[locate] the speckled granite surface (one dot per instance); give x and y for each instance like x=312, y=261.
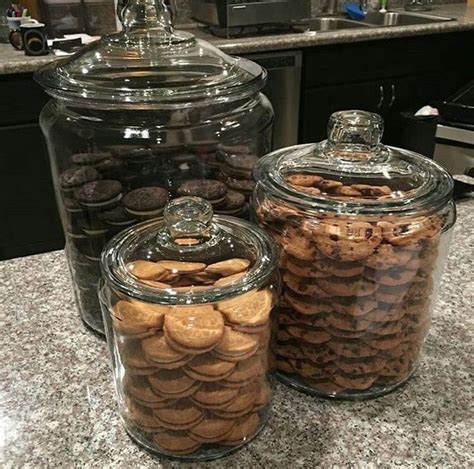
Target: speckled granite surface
x=57, y=406
x=13, y=61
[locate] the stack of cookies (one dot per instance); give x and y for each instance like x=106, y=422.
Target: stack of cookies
x=107, y=190
x=357, y=292
x=194, y=377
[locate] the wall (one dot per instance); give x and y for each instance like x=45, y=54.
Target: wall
x=184, y=15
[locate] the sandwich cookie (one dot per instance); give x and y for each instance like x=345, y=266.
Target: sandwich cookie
x=146, y=202
x=98, y=196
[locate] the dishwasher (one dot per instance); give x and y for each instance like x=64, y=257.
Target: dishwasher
x=283, y=89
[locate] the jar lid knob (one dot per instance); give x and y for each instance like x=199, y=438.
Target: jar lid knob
x=355, y=135
x=188, y=217
x=145, y=15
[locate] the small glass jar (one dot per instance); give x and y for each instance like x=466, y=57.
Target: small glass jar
x=364, y=231
x=188, y=304
x=141, y=117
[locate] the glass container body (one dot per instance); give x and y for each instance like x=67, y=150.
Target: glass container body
x=354, y=313
x=364, y=231
x=191, y=372
x=146, y=148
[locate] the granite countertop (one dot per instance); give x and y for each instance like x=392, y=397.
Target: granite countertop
x=57, y=405
x=13, y=61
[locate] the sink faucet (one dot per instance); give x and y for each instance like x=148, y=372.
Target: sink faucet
x=330, y=7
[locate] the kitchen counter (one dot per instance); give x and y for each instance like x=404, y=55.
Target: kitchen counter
x=57, y=404
x=13, y=61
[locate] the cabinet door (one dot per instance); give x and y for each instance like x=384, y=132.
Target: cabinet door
x=28, y=214
x=318, y=104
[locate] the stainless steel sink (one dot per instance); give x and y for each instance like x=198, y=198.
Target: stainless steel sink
x=398, y=18
x=374, y=19
x=330, y=23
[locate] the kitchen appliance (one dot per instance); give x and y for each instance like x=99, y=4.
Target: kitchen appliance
x=238, y=13
x=143, y=116
x=455, y=132
x=283, y=89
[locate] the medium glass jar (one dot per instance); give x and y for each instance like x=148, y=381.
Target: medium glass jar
x=188, y=304
x=364, y=231
x=139, y=118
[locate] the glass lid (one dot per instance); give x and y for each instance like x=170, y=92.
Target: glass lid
x=189, y=257
x=149, y=64
x=352, y=172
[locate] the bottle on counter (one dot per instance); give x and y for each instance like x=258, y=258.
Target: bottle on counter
x=141, y=117
x=364, y=231
x=188, y=307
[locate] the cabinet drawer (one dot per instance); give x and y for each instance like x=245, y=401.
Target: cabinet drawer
x=21, y=99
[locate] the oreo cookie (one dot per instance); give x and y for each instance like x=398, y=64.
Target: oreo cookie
x=210, y=189
x=146, y=202
x=73, y=178
x=89, y=159
x=99, y=195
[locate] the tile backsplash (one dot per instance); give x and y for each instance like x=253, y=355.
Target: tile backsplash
x=184, y=11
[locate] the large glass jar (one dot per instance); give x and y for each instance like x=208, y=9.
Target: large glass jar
x=364, y=231
x=188, y=304
x=139, y=118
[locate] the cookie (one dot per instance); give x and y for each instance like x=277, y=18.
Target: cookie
x=173, y=384
x=157, y=350
x=244, y=371
x=347, y=322
x=354, y=382
x=329, y=185
x=398, y=367
x=99, y=195
x=294, y=243
x=250, y=309
x=312, y=336
x=303, y=268
x=236, y=346
x=344, y=241
x=117, y=218
x=385, y=313
x=244, y=428
x=142, y=417
x=146, y=202
x=410, y=230
x=324, y=385
x=391, y=295
x=75, y=177
x=211, y=430
x=305, y=286
x=316, y=354
x=228, y=267
x=305, y=305
x=212, y=190
x=387, y=256
x=194, y=328
x=183, y=415
x=146, y=270
x=304, y=180
x=224, y=281
x=111, y=168
x=139, y=389
x=391, y=277
x=213, y=396
x=262, y=396
x=241, y=405
x=138, y=319
x=351, y=348
x=208, y=368
x=358, y=286
x=384, y=342
x=290, y=351
x=234, y=204
x=178, y=267
x=307, y=369
x=339, y=269
x=178, y=443
x=134, y=360
x=239, y=165
x=358, y=366
x=372, y=191
x=89, y=159
x=244, y=186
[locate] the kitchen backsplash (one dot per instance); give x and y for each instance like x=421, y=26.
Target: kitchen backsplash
x=184, y=11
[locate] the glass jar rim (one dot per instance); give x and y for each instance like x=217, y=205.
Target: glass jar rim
x=114, y=269
x=434, y=192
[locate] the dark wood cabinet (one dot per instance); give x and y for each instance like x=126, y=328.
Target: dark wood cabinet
x=29, y=218
x=387, y=77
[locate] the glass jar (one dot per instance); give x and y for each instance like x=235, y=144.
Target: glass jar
x=188, y=305
x=364, y=231
x=139, y=118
